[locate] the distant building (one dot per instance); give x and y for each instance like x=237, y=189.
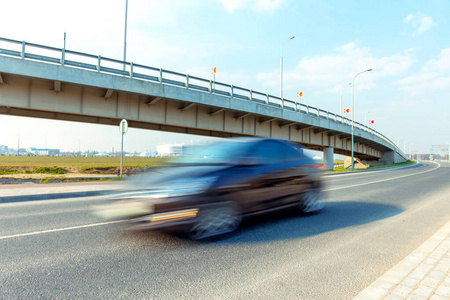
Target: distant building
x=169, y=150
x=102, y=154
x=4, y=150
x=44, y=152
x=148, y=154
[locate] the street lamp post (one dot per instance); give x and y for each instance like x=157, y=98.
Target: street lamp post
x=125, y=37
x=340, y=101
x=410, y=155
x=281, y=66
x=353, y=113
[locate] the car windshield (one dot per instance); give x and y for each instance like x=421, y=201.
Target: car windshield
x=222, y=153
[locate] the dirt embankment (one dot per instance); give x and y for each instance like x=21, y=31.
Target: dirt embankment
x=20, y=174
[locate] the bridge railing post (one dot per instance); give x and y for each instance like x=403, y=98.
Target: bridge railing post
x=99, y=63
x=187, y=81
x=231, y=93
x=267, y=98
x=160, y=75
x=131, y=70
x=251, y=95
x=23, y=49
x=63, y=57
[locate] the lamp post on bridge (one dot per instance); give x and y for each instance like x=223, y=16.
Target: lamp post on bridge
x=125, y=37
x=410, y=155
x=340, y=100
x=353, y=113
x=281, y=66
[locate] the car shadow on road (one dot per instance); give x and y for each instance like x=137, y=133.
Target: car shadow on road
x=292, y=225
x=283, y=225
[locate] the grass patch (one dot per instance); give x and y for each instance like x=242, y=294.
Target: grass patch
x=342, y=170
x=46, y=170
x=10, y=171
x=78, y=162
x=66, y=164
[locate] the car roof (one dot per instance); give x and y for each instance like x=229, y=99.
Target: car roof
x=254, y=139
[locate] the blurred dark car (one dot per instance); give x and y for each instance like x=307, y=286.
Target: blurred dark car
x=210, y=190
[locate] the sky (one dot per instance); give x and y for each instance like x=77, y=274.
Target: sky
x=406, y=43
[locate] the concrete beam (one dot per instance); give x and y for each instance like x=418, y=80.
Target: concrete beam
x=302, y=127
x=217, y=111
x=240, y=116
x=320, y=130
x=108, y=93
x=57, y=86
x=262, y=121
x=152, y=100
x=186, y=107
x=281, y=124
x=336, y=133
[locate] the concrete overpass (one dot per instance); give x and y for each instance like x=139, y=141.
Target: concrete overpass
x=54, y=83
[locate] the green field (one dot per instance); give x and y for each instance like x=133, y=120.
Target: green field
x=54, y=164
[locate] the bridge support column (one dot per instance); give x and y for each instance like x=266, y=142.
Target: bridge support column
x=388, y=157
x=328, y=158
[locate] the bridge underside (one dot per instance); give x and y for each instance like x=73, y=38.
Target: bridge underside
x=64, y=100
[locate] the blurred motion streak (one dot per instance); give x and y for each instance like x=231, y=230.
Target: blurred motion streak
x=211, y=188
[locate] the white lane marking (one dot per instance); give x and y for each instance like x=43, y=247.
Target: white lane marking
x=113, y=222
x=57, y=230
x=383, y=180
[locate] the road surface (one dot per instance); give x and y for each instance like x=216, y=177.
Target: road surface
x=57, y=249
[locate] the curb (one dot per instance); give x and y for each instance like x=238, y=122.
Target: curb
x=408, y=279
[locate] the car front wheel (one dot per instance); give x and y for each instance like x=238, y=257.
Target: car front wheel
x=216, y=220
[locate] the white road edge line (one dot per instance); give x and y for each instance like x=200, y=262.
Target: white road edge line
x=378, y=181
x=375, y=170
x=57, y=230
x=120, y=221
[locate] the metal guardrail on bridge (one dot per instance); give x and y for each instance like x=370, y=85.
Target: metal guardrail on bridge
x=70, y=58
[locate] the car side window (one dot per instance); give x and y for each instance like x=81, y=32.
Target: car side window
x=268, y=152
x=291, y=153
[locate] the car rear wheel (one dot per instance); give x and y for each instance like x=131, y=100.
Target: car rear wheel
x=311, y=200
x=212, y=221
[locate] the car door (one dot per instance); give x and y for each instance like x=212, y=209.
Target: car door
x=271, y=179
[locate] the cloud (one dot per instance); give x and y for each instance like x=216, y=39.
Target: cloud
x=256, y=5
x=420, y=22
x=336, y=70
x=434, y=77
x=442, y=62
x=423, y=84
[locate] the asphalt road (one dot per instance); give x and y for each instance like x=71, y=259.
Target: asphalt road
x=57, y=249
